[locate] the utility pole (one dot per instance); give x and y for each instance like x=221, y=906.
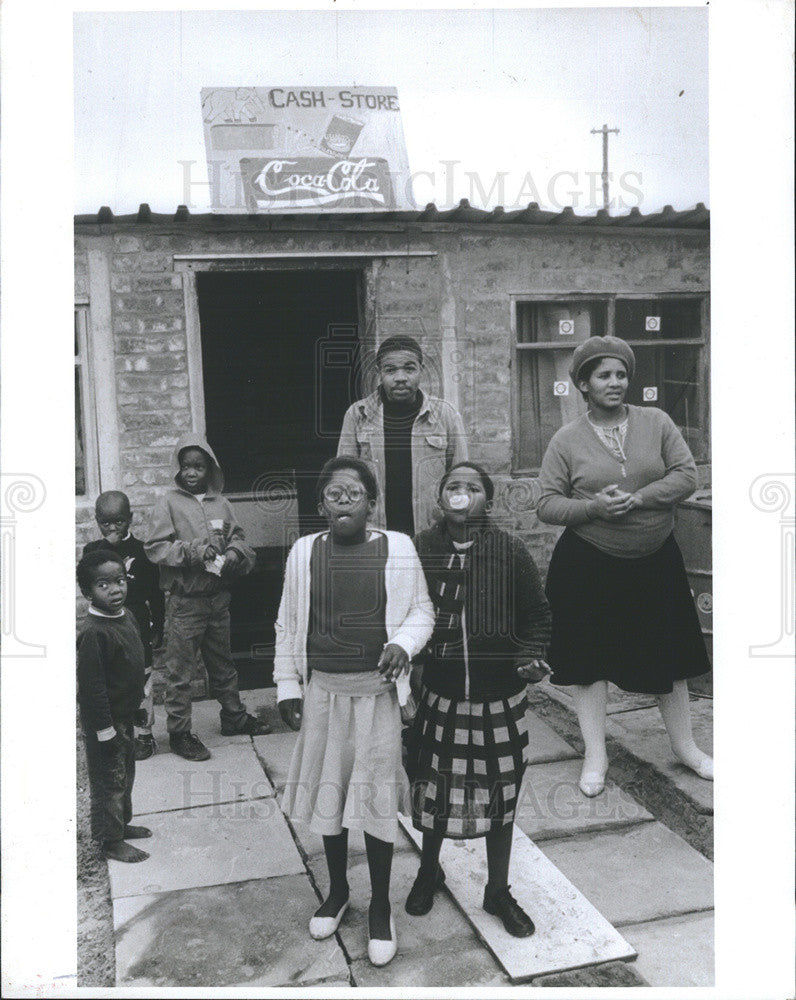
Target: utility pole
x=604, y=131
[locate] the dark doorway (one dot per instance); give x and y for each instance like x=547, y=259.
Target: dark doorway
x=280, y=358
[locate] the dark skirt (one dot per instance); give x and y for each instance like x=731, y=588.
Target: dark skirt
x=628, y=621
x=469, y=766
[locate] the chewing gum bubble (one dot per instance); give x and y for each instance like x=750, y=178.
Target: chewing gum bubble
x=459, y=501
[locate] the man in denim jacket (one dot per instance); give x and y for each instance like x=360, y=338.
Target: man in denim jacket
x=408, y=438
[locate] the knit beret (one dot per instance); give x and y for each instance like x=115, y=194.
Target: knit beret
x=602, y=347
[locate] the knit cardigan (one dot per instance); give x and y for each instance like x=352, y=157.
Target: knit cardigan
x=507, y=616
x=409, y=615
x=659, y=467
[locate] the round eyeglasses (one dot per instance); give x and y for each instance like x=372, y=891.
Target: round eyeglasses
x=334, y=494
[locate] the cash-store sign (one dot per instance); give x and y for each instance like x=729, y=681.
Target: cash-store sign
x=300, y=149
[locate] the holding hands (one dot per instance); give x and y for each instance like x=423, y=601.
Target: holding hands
x=612, y=502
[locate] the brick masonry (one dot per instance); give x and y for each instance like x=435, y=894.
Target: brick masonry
x=456, y=302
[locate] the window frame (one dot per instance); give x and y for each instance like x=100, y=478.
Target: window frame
x=88, y=407
x=609, y=300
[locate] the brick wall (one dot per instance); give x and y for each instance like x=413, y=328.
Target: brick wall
x=459, y=298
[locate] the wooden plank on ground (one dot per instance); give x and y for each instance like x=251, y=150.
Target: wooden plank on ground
x=570, y=933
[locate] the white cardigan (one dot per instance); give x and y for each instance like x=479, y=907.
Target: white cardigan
x=409, y=616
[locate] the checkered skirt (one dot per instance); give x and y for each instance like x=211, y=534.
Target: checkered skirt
x=469, y=764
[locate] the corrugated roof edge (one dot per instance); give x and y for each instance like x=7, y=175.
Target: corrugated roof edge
x=692, y=218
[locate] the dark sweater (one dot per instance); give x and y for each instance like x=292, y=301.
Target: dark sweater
x=144, y=596
x=506, y=613
x=348, y=603
x=110, y=671
x=399, y=419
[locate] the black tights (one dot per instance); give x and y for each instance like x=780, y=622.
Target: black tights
x=498, y=855
x=379, y=853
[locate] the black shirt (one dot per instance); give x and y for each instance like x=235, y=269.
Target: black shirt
x=399, y=418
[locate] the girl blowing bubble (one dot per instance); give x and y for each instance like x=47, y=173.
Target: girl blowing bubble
x=492, y=626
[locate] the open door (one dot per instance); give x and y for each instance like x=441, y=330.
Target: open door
x=280, y=358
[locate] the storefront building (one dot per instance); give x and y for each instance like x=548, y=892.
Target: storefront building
x=259, y=331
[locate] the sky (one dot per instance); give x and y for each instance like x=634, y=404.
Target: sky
x=497, y=105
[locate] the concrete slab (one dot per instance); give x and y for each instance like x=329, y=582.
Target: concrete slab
x=544, y=743
x=644, y=735
x=472, y=966
x=570, y=932
x=275, y=752
x=232, y=774
x=639, y=873
x=210, y=845
x=243, y=934
x=445, y=922
x=618, y=700
x=675, y=952
x=551, y=804
x=206, y=724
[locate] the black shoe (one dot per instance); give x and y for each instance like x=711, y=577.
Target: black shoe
x=188, y=746
x=144, y=746
x=502, y=904
x=250, y=727
x=421, y=895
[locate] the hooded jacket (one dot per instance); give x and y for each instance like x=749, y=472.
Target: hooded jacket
x=182, y=527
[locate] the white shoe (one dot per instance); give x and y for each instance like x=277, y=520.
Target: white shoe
x=382, y=952
x=704, y=769
x=324, y=927
x=592, y=783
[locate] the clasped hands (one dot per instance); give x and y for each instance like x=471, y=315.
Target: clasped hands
x=392, y=662
x=612, y=502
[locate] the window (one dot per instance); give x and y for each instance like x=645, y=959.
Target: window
x=667, y=334
x=86, y=461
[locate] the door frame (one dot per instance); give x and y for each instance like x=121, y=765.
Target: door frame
x=188, y=265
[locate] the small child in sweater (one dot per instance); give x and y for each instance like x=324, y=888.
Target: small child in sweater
x=110, y=686
x=144, y=596
x=200, y=549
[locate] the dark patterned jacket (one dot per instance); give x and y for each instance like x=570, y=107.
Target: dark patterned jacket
x=499, y=596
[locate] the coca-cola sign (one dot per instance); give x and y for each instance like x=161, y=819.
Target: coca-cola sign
x=305, y=149
x=316, y=182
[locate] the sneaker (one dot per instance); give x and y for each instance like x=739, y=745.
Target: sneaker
x=502, y=904
x=144, y=746
x=249, y=727
x=188, y=746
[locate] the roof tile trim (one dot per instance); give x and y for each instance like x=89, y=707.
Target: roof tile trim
x=692, y=218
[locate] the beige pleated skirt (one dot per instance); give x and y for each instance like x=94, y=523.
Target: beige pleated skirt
x=346, y=769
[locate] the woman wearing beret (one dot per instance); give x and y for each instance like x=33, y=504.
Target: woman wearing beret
x=622, y=607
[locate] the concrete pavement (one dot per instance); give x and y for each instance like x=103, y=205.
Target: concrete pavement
x=226, y=895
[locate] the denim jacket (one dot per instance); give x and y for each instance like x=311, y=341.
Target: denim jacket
x=438, y=442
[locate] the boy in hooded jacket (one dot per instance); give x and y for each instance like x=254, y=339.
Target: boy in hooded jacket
x=200, y=548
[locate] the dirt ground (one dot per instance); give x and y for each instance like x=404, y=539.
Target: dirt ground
x=96, y=965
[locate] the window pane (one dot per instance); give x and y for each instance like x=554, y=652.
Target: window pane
x=559, y=322
x=77, y=333
x=80, y=453
x=541, y=410
x=656, y=319
x=674, y=373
